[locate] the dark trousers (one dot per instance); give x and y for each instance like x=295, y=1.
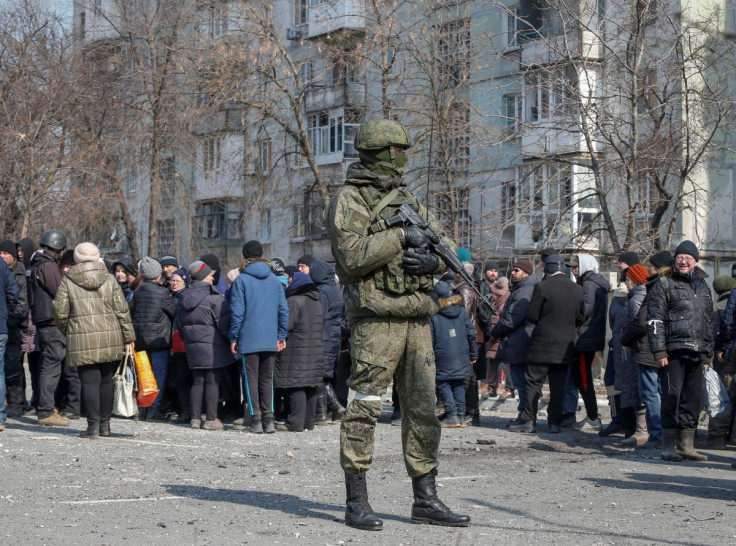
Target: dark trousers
x=68, y=396
x=582, y=376
x=452, y=394
x=34, y=368
x=518, y=375
x=472, y=403
x=259, y=382
x=183, y=381
x=14, y=360
x=97, y=390
x=53, y=351
x=682, y=386
x=207, y=383
x=535, y=375
x=302, y=402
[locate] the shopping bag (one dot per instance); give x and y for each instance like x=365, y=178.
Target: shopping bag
x=124, y=403
x=147, y=388
x=715, y=396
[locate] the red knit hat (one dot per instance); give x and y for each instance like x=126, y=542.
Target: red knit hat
x=637, y=273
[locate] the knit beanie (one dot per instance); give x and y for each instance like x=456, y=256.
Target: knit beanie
x=500, y=287
x=307, y=260
x=184, y=274
x=169, y=259
x=252, y=249
x=149, y=268
x=723, y=284
x=199, y=270
x=525, y=265
x=637, y=273
x=629, y=258
x=689, y=248
x=214, y=263
x=86, y=252
x=442, y=289
x=463, y=254
x=490, y=265
x=8, y=246
x=661, y=259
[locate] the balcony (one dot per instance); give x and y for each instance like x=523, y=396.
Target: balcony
x=555, y=45
x=547, y=138
x=326, y=17
x=334, y=96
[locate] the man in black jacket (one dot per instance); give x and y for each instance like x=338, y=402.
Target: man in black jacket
x=557, y=309
x=680, y=332
x=17, y=321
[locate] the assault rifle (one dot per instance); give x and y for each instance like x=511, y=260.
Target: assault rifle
x=407, y=216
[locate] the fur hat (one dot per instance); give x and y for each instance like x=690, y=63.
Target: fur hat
x=149, y=268
x=86, y=252
x=252, y=249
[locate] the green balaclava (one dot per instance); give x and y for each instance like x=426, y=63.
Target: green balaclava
x=385, y=161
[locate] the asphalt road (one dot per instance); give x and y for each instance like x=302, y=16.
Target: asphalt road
x=158, y=483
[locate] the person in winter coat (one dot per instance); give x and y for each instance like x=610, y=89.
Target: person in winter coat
x=17, y=321
x=514, y=330
x=455, y=351
x=260, y=318
x=497, y=372
x=627, y=375
x=333, y=311
x=300, y=366
x=557, y=309
x=90, y=310
x=471, y=302
x=8, y=305
x=125, y=272
x=203, y=318
x=178, y=365
x=680, y=332
x=613, y=362
x=152, y=310
x=592, y=334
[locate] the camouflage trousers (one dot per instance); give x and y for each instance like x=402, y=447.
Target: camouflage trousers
x=380, y=347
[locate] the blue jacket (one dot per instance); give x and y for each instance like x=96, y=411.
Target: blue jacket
x=260, y=316
x=8, y=295
x=512, y=328
x=453, y=339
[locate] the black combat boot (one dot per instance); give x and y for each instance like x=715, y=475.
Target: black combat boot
x=669, y=451
x=92, y=432
x=358, y=512
x=321, y=415
x=105, y=428
x=269, y=426
x=333, y=404
x=428, y=508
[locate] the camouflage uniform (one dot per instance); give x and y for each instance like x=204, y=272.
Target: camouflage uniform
x=388, y=310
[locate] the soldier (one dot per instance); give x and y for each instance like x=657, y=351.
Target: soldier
x=388, y=291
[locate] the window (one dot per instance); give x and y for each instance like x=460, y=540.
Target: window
x=550, y=94
x=645, y=195
x=306, y=73
x=444, y=210
x=391, y=61
x=218, y=18
x=297, y=226
x=508, y=200
x=166, y=234
x=647, y=99
x=458, y=140
x=351, y=129
x=218, y=220
x=454, y=52
x=343, y=70
x=325, y=133
x=264, y=156
x=302, y=12
x=82, y=25
x=266, y=226
x=97, y=7
x=646, y=11
x=313, y=3
x=544, y=196
x=511, y=112
x=212, y=153
x=511, y=27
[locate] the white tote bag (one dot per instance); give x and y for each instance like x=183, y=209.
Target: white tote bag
x=124, y=404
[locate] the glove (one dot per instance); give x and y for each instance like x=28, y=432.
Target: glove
x=416, y=237
x=419, y=263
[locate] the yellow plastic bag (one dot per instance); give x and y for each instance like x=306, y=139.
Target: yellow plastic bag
x=147, y=387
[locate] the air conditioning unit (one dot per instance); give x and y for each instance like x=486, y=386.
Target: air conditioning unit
x=293, y=34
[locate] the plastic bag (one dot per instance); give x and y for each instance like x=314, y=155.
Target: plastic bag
x=147, y=387
x=124, y=402
x=715, y=396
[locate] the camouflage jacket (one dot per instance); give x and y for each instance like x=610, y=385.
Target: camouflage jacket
x=369, y=265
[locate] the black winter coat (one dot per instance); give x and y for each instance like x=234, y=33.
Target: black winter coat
x=592, y=334
x=453, y=339
x=635, y=332
x=301, y=363
x=557, y=309
x=512, y=328
x=680, y=314
x=203, y=320
x=152, y=310
x=333, y=311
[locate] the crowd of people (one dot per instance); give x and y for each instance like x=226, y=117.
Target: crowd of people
x=265, y=347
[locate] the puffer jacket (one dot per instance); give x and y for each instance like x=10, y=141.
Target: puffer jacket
x=513, y=329
x=635, y=333
x=333, y=311
x=592, y=334
x=680, y=314
x=90, y=310
x=453, y=339
x=300, y=363
x=203, y=319
x=627, y=377
x=152, y=310
x=18, y=314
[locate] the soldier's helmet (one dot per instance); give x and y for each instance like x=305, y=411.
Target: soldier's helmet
x=380, y=134
x=54, y=239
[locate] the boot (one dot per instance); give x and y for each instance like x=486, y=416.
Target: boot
x=358, y=512
x=428, y=508
x=241, y=422
x=15, y=401
x=333, y=404
x=687, y=438
x=269, y=426
x=105, y=428
x=256, y=426
x=641, y=436
x=321, y=416
x=92, y=432
x=628, y=421
x=669, y=453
